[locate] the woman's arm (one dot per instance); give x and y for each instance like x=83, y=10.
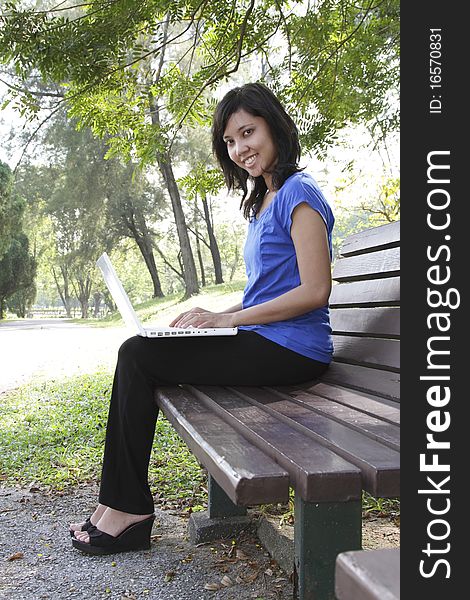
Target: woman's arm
x=310, y=240
x=180, y=320
x=313, y=259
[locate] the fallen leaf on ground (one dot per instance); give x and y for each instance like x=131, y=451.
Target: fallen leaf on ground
x=251, y=578
x=16, y=556
x=212, y=587
x=226, y=581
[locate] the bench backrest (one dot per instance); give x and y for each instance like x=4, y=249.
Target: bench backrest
x=365, y=312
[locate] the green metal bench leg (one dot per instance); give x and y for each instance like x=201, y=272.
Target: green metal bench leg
x=219, y=504
x=321, y=531
x=222, y=519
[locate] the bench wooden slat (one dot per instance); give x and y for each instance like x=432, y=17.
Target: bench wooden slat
x=376, y=381
x=368, y=575
x=367, y=424
x=317, y=473
x=378, y=264
x=374, y=322
x=387, y=410
x=364, y=351
x=379, y=464
x=377, y=292
x=246, y=474
x=372, y=239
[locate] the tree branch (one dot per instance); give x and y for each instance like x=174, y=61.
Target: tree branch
x=198, y=236
x=168, y=263
x=340, y=45
x=225, y=73
x=24, y=90
x=32, y=136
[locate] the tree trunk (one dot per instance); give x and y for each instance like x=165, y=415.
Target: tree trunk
x=97, y=297
x=83, y=295
x=143, y=241
x=84, y=307
x=64, y=294
x=198, y=245
x=146, y=250
x=234, y=264
x=214, y=248
x=164, y=163
x=189, y=267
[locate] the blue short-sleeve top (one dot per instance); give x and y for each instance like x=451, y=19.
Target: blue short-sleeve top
x=272, y=270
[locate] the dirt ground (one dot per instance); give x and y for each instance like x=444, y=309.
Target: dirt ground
x=38, y=562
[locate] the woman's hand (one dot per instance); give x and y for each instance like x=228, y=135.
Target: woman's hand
x=200, y=317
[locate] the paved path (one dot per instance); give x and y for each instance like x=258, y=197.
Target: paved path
x=54, y=348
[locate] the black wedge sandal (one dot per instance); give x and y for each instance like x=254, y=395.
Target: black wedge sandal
x=85, y=527
x=134, y=537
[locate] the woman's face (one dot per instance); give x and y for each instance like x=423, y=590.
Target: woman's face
x=250, y=144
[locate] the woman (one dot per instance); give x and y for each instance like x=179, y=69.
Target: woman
x=284, y=333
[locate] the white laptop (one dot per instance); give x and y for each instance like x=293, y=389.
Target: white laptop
x=130, y=316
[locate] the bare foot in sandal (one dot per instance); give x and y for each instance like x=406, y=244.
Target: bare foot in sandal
x=93, y=520
x=112, y=522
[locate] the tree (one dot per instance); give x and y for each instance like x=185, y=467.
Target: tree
x=21, y=301
x=387, y=207
x=17, y=271
x=75, y=208
x=332, y=61
x=230, y=237
x=136, y=72
x=199, y=184
x=11, y=209
x=130, y=204
x=17, y=266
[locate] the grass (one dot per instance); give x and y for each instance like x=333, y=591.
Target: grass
x=52, y=435
x=161, y=310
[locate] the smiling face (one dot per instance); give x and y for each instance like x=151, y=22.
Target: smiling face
x=250, y=144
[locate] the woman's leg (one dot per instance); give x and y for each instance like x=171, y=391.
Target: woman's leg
x=143, y=364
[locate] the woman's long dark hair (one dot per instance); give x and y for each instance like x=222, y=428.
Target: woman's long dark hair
x=258, y=100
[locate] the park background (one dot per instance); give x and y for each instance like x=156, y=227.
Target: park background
x=106, y=137
x=105, y=146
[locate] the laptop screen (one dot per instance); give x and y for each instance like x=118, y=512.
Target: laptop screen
x=119, y=294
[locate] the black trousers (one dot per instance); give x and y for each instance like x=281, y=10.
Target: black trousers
x=244, y=359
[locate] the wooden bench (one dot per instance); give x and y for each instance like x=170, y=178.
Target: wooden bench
x=368, y=575
x=329, y=439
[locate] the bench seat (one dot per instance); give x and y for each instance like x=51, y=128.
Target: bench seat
x=247, y=474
